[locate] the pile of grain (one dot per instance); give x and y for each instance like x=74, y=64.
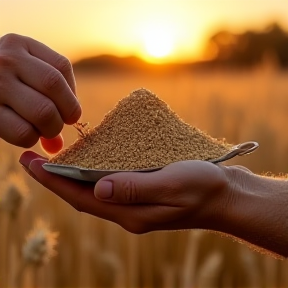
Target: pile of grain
x=140, y=132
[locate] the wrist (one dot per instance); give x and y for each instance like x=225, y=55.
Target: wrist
x=255, y=209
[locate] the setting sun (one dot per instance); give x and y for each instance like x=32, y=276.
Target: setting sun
x=158, y=41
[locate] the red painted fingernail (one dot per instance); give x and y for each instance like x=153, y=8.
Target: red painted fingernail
x=26, y=158
x=36, y=165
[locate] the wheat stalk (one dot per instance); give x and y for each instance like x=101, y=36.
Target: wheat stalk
x=40, y=244
x=13, y=192
x=37, y=250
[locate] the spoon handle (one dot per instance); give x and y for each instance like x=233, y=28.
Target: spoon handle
x=240, y=149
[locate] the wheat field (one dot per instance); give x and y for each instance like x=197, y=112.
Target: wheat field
x=239, y=106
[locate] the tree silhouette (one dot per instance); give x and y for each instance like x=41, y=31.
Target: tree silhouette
x=249, y=48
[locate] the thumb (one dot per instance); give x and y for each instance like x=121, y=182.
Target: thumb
x=136, y=187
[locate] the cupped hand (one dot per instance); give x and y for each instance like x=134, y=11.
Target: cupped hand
x=182, y=195
x=37, y=91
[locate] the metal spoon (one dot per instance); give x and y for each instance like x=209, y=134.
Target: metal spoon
x=93, y=175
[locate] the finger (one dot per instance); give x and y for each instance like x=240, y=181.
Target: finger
x=15, y=130
x=35, y=108
x=80, y=195
x=52, y=146
x=13, y=42
x=68, y=189
x=136, y=187
x=50, y=82
x=45, y=70
x=56, y=60
x=175, y=185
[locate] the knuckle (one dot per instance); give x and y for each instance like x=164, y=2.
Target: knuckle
x=63, y=64
x=24, y=135
x=52, y=79
x=130, y=191
x=10, y=39
x=45, y=112
x=7, y=61
x=172, y=186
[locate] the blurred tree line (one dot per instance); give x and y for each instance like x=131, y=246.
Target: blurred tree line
x=224, y=49
x=250, y=48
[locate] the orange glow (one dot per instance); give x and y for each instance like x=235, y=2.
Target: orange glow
x=159, y=40
x=157, y=31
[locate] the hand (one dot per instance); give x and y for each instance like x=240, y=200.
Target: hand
x=183, y=195
x=37, y=91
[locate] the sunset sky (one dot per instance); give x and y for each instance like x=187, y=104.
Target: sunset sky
x=168, y=30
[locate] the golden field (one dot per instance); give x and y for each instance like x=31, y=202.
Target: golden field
x=239, y=106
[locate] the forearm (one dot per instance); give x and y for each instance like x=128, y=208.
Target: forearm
x=257, y=210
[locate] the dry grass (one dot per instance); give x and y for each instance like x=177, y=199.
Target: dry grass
x=94, y=253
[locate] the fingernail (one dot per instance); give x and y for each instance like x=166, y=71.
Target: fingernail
x=103, y=190
x=36, y=164
x=27, y=157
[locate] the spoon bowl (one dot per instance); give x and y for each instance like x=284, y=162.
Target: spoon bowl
x=93, y=175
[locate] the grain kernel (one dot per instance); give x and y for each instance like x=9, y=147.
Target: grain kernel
x=140, y=132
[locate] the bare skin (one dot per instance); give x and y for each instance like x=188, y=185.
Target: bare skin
x=37, y=97
x=183, y=195
x=37, y=91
